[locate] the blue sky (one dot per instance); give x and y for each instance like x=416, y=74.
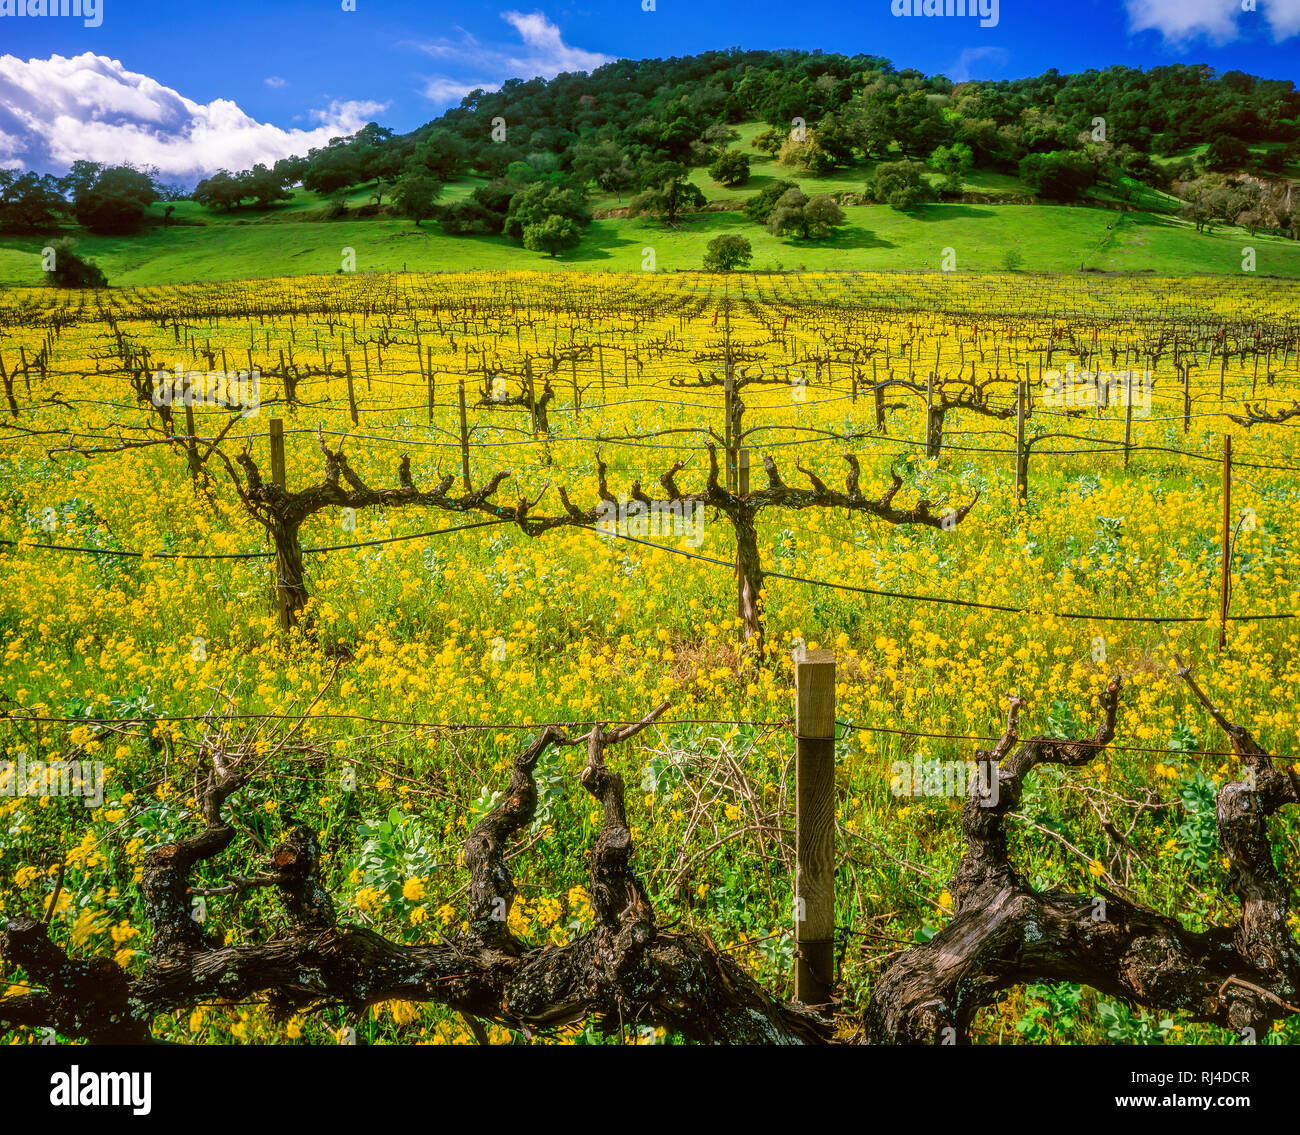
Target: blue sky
x=251, y=80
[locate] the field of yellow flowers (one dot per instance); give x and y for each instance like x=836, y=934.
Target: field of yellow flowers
x=421, y=663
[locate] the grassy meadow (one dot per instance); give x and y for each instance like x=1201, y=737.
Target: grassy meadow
x=293, y=238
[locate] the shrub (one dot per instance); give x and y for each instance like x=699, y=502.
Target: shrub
x=70, y=270
x=726, y=253
x=901, y=185
x=732, y=168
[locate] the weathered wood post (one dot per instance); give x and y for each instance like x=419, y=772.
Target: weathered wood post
x=814, y=974
x=352, y=396
x=1128, y=415
x=742, y=473
x=191, y=443
x=464, y=439
x=932, y=438
x=1225, y=578
x=277, y=446
x=1022, y=455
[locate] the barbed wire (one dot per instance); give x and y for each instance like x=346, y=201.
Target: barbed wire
x=783, y=723
x=730, y=566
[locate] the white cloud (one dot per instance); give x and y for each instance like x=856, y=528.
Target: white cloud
x=542, y=53
x=959, y=72
x=58, y=110
x=1219, y=20
x=275, y=81
x=447, y=91
x=550, y=54
x=1283, y=17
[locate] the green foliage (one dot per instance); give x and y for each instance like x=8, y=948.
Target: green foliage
x=770, y=141
x=73, y=271
x=809, y=218
x=552, y=781
x=1123, y=1026
x=395, y=849
x=1052, y=1013
x=901, y=185
x=1061, y=175
x=535, y=203
x=731, y=168
x=332, y=169
x=726, y=253
x=117, y=201
x=415, y=196
x=440, y=154
x=227, y=191
x=1226, y=153
x=955, y=159
x=552, y=235
x=604, y=162
x=759, y=207
x=808, y=155
x=289, y=241
x=28, y=203
x=1198, y=833
x=669, y=195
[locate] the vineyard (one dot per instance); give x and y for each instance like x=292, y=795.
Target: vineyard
x=374, y=554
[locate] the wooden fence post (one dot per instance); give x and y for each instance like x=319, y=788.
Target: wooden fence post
x=814, y=974
x=8, y=381
x=532, y=395
x=352, y=397
x=931, y=449
x=191, y=445
x=1128, y=415
x=1187, y=398
x=1022, y=457
x=277, y=447
x=742, y=488
x=728, y=393
x=1225, y=578
x=464, y=440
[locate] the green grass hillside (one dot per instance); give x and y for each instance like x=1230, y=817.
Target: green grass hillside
x=294, y=238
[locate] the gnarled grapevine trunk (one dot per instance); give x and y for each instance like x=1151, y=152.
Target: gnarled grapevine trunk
x=625, y=971
x=290, y=584
x=628, y=970
x=1005, y=933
